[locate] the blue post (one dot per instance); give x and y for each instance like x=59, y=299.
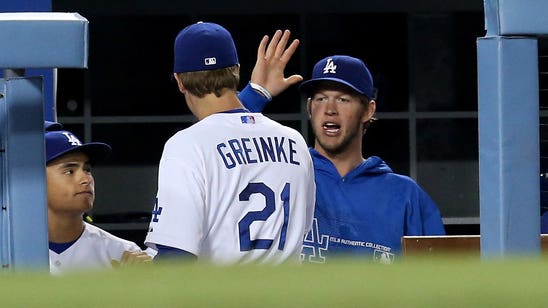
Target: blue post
x=508, y=95
x=509, y=146
x=33, y=40
x=23, y=174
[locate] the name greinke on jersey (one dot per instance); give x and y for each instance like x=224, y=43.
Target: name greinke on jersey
x=253, y=150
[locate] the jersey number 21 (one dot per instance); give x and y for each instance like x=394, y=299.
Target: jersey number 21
x=246, y=243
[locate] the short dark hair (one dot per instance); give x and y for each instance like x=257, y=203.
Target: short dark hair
x=200, y=83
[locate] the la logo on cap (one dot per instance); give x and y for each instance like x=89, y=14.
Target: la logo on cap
x=72, y=139
x=330, y=67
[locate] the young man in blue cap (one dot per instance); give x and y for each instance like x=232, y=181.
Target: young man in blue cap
x=75, y=245
x=235, y=187
x=362, y=207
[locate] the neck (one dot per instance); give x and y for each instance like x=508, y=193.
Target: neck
x=210, y=104
x=64, y=228
x=344, y=161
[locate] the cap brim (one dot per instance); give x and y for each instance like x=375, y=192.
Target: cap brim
x=51, y=126
x=307, y=86
x=96, y=151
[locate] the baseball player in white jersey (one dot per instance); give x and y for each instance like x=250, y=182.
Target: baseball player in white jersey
x=75, y=245
x=235, y=187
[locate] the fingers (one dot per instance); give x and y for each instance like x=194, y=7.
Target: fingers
x=132, y=257
x=280, y=46
x=277, y=46
x=262, y=48
x=273, y=45
x=293, y=79
x=114, y=263
x=288, y=53
x=137, y=257
x=125, y=257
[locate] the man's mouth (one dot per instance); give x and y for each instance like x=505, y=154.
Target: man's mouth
x=331, y=128
x=86, y=192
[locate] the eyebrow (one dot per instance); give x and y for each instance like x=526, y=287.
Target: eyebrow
x=71, y=164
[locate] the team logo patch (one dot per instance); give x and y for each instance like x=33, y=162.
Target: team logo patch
x=315, y=245
x=330, y=67
x=210, y=61
x=72, y=139
x=248, y=119
x=383, y=257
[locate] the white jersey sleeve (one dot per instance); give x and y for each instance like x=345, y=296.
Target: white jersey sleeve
x=234, y=187
x=94, y=249
x=179, y=183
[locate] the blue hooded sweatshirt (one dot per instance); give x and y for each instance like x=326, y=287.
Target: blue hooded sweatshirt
x=366, y=212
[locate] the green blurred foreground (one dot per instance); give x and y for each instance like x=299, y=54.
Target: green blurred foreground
x=420, y=282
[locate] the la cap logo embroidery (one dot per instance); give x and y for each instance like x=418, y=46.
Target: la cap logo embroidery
x=72, y=139
x=330, y=67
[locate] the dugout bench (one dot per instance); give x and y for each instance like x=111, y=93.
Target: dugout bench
x=449, y=244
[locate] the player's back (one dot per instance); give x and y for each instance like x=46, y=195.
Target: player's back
x=251, y=189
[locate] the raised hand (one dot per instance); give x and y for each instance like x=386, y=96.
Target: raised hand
x=271, y=61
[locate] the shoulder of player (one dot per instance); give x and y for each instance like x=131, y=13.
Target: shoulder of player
x=181, y=140
x=293, y=133
x=382, y=178
x=401, y=179
x=395, y=183
x=96, y=234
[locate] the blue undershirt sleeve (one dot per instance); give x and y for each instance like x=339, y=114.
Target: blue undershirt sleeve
x=253, y=101
x=171, y=253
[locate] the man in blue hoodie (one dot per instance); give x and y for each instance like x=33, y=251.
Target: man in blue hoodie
x=362, y=207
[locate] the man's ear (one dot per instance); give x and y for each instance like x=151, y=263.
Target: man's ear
x=179, y=83
x=308, y=107
x=371, y=108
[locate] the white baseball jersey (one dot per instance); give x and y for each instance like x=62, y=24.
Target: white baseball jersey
x=94, y=249
x=234, y=188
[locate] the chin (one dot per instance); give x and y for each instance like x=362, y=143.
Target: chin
x=330, y=145
x=86, y=208
x=87, y=205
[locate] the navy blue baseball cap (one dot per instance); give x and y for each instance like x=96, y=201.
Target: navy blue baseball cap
x=50, y=125
x=204, y=46
x=347, y=70
x=61, y=142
